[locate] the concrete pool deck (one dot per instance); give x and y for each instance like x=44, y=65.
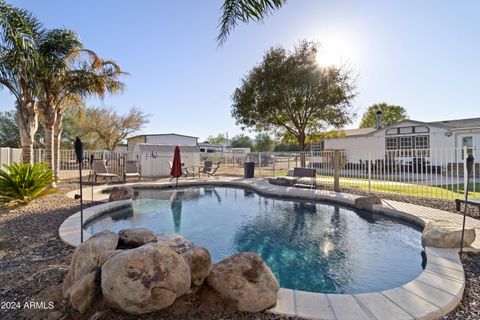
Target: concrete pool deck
x=435, y=292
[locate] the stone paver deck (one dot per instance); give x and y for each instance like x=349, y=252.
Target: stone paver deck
x=435, y=292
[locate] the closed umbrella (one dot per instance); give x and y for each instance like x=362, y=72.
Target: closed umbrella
x=176, y=171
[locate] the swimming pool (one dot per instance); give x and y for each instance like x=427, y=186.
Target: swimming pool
x=310, y=246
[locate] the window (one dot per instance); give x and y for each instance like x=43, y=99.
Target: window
x=421, y=142
x=392, y=131
x=406, y=130
x=391, y=143
x=422, y=129
x=422, y=146
x=405, y=142
x=467, y=142
x=318, y=146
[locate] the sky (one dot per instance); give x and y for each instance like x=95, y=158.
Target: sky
x=422, y=55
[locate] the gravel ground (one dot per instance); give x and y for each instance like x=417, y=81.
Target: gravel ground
x=33, y=262
x=469, y=307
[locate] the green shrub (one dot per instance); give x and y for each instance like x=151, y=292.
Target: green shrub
x=23, y=182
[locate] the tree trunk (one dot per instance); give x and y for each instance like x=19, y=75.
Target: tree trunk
x=27, y=125
x=301, y=144
x=57, y=136
x=49, y=117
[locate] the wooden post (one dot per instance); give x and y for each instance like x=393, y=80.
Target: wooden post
x=336, y=170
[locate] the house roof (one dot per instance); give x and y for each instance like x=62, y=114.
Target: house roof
x=458, y=123
x=150, y=147
x=162, y=134
x=358, y=132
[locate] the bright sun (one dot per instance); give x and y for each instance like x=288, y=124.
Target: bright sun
x=327, y=58
x=336, y=50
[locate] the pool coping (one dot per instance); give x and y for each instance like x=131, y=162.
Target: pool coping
x=435, y=292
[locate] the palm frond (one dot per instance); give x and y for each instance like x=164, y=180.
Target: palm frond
x=244, y=11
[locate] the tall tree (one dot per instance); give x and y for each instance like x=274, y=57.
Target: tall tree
x=263, y=142
x=390, y=114
x=242, y=141
x=18, y=62
x=244, y=11
x=219, y=139
x=110, y=128
x=67, y=74
x=290, y=95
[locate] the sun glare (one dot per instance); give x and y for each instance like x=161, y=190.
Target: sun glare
x=336, y=50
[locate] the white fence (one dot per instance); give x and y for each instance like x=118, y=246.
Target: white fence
x=433, y=173
x=9, y=156
x=152, y=164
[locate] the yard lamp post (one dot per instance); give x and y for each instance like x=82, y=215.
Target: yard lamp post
x=470, y=161
x=79, y=154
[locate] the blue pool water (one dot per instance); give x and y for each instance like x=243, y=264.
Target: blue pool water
x=310, y=246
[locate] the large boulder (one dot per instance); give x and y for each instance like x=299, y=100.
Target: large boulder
x=83, y=291
x=121, y=193
x=89, y=257
x=366, y=203
x=144, y=279
x=446, y=234
x=245, y=279
x=198, y=258
x=136, y=237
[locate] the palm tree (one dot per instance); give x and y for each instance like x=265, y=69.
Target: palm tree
x=67, y=74
x=244, y=11
x=19, y=30
x=88, y=76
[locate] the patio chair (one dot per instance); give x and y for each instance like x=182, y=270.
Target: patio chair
x=212, y=173
x=185, y=171
x=100, y=170
x=207, y=167
x=131, y=170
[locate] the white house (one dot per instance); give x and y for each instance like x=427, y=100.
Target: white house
x=155, y=151
x=409, y=138
x=172, y=139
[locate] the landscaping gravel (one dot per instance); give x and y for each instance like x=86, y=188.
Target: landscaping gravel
x=469, y=307
x=34, y=261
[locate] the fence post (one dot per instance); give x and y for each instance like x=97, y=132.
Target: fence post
x=465, y=175
x=369, y=172
x=273, y=159
x=336, y=170
x=259, y=164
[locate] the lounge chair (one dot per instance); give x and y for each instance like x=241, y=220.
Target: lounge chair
x=212, y=173
x=100, y=170
x=207, y=167
x=185, y=171
x=132, y=170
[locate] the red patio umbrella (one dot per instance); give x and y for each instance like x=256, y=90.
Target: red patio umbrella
x=176, y=171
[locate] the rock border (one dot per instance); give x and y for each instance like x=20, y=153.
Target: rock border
x=435, y=292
